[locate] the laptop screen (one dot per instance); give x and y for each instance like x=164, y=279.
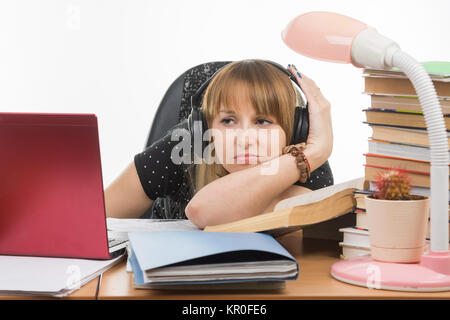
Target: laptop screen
x=51, y=189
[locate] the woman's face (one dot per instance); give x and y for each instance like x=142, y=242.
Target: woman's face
x=244, y=139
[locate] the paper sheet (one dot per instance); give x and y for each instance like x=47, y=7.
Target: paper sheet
x=48, y=276
x=139, y=225
x=119, y=228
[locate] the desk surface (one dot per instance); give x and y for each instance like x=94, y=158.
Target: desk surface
x=315, y=258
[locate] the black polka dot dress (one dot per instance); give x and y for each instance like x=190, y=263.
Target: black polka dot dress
x=164, y=179
x=319, y=178
x=158, y=174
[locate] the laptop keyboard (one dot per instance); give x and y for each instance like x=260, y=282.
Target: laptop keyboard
x=115, y=242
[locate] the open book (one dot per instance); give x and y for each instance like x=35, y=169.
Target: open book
x=299, y=211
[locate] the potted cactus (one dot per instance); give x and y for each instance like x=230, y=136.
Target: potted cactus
x=397, y=219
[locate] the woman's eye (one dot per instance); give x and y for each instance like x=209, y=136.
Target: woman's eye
x=260, y=121
x=225, y=121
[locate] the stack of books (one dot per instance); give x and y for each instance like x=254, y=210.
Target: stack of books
x=399, y=139
x=356, y=239
x=399, y=136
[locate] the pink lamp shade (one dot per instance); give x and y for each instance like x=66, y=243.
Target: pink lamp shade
x=323, y=35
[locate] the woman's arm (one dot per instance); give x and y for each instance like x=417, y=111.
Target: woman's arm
x=248, y=192
x=125, y=197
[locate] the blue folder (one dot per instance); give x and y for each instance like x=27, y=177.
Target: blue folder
x=157, y=249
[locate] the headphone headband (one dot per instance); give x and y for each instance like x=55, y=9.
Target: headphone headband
x=195, y=98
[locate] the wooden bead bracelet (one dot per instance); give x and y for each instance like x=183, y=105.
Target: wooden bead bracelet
x=296, y=150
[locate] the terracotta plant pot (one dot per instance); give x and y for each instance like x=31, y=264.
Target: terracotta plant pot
x=397, y=228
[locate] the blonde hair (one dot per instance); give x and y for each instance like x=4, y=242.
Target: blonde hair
x=267, y=88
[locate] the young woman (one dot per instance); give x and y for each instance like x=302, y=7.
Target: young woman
x=244, y=100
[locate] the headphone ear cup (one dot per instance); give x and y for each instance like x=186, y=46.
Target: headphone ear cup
x=195, y=130
x=301, y=125
x=296, y=126
x=304, y=131
x=204, y=129
x=197, y=126
x=189, y=124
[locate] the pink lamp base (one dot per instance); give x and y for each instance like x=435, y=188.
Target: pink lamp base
x=432, y=274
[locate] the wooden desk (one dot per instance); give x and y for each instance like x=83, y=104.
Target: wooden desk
x=86, y=292
x=315, y=258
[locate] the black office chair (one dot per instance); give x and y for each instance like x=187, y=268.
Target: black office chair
x=175, y=107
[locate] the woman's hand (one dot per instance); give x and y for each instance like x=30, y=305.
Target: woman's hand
x=320, y=137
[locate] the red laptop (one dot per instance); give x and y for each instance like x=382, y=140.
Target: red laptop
x=51, y=187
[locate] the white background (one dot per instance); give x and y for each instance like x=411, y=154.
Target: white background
x=116, y=58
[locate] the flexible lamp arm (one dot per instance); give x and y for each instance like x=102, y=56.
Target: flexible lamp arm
x=438, y=144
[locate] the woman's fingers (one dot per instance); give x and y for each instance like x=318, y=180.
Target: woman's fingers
x=313, y=93
x=310, y=87
x=320, y=126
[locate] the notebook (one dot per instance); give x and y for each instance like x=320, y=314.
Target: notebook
x=51, y=195
x=197, y=257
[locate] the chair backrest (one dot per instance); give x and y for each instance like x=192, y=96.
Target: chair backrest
x=175, y=106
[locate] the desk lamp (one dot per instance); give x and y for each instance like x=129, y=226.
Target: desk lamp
x=336, y=38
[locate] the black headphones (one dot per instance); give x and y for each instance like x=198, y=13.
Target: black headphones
x=197, y=124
